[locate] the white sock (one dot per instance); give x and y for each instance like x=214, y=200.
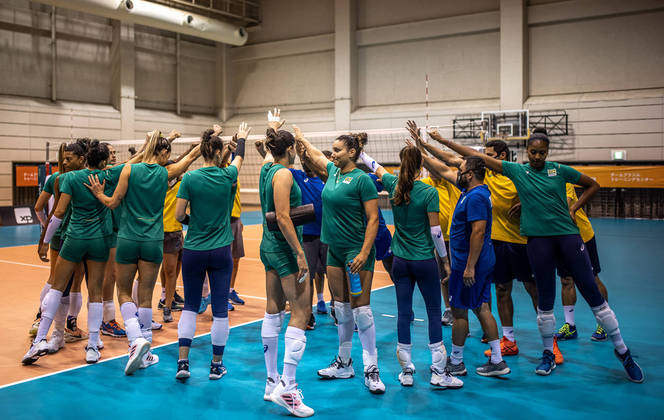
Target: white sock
x=109, y=310
x=219, y=334
x=296, y=342
x=95, y=310
x=60, y=319
x=457, y=354
x=320, y=297
x=134, y=292
x=51, y=304
x=75, y=304
x=131, y=324
x=508, y=332
x=366, y=329
x=206, y=287
x=42, y=295
x=496, y=356
x=163, y=293
x=145, y=319
x=569, y=314
x=345, y=329
x=270, y=335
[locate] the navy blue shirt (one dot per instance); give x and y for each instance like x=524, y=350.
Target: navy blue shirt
x=312, y=189
x=382, y=226
x=473, y=205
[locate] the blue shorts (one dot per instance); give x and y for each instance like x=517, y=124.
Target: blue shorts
x=463, y=297
x=383, y=244
x=591, y=249
x=511, y=263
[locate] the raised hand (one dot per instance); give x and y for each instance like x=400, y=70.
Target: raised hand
x=274, y=120
x=243, y=131
x=217, y=130
x=232, y=145
x=174, y=134
x=434, y=134
x=297, y=133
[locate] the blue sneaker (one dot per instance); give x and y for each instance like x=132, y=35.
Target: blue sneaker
x=566, y=332
x=320, y=307
x=233, y=297
x=599, y=334
x=217, y=370
x=634, y=372
x=547, y=364
x=205, y=302
x=230, y=306
x=112, y=329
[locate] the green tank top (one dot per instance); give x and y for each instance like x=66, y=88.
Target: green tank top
x=275, y=241
x=112, y=176
x=143, y=210
x=89, y=217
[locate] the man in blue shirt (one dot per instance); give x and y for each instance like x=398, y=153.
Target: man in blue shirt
x=472, y=265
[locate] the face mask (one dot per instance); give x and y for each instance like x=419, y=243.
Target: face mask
x=461, y=183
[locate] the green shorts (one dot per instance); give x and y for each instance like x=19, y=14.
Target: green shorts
x=284, y=263
x=129, y=251
x=56, y=243
x=77, y=250
x=113, y=240
x=338, y=257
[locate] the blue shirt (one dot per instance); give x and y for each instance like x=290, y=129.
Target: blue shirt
x=473, y=205
x=312, y=188
x=382, y=226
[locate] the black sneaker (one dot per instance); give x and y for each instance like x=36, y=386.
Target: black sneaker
x=177, y=298
x=175, y=307
x=493, y=369
x=217, y=370
x=456, y=370
x=168, y=316
x=311, y=325
x=183, y=369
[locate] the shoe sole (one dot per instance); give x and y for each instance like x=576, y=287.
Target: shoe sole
x=135, y=364
x=287, y=407
x=182, y=375
x=91, y=362
x=352, y=375
x=598, y=340
x=109, y=334
x=73, y=339
x=566, y=338
x=544, y=372
x=54, y=351
x=375, y=391
x=495, y=372
x=215, y=377
x=462, y=373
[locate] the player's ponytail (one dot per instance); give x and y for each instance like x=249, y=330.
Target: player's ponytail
x=411, y=164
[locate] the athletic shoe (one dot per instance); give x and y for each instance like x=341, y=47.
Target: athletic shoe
x=270, y=385
x=155, y=325
x=338, y=370
x=100, y=344
x=233, y=297
x=217, y=370
x=456, y=370
x=372, y=380
x=311, y=325
x=493, y=369
x=230, y=306
x=447, y=318
x=112, y=329
x=205, y=302
x=35, y=327
x=566, y=332
x=72, y=332
x=406, y=377
x=547, y=364
x=444, y=379
x=321, y=308
x=56, y=342
x=137, y=350
x=183, y=370
x=175, y=306
x=290, y=398
x=167, y=315
x=599, y=334
x=177, y=298
x=35, y=352
x=507, y=348
x=92, y=354
x=148, y=360
x=634, y=372
x=557, y=353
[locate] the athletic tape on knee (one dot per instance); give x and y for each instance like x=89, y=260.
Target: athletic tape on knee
x=271, y=325
x=546, y=322
x=296, y=342
x=187, y=325
x=363, y=317
x=219, y=331
x=438, y=355
x=404, y=355
x=606, y=318
x=343, y=312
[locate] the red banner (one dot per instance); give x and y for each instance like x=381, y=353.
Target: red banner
x=27, y=176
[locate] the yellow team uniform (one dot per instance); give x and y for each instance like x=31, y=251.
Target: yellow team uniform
x=445, y=213
x=503, y=197
x=582, y=221
x=453, y=194
x=170, y=223
x=237, y=205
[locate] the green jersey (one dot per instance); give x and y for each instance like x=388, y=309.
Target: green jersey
x=62, y=229
x=275, y=241
x=344, y=219
x=544, y=209
x=209, y=191
x=143, y=211
x=50, y=181
x=112, y=177
x=412, y=235
x=89, y=217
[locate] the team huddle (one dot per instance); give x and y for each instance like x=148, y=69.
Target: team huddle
x=476, y=219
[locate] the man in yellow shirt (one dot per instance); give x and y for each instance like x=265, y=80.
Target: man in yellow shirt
x=568, y=292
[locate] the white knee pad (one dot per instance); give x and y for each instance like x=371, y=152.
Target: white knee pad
x=295, y=344
x=403, y=355
x=363, y=317
x=219, y=331
x=606, y=318
x=51, y=303
x=438, y=355
x=546, y=322
x=343, y=312
x=187, y=325
x=271, y=325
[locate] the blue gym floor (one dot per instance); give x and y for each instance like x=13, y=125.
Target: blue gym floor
x=591, y=382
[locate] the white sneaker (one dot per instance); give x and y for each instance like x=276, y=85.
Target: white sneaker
x=443, y=378
x=290, y=398
x=270, y=385
x=338, y=370
x=35, y=352
x=155, y=325
x=149, y=359
x=56, y=342
x=100, y=344
x=406, y=377
x=137, y=350
x=92, y=355
x=372, y=380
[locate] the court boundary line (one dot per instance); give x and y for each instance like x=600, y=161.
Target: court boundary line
x=46, y=375
x=47, y=267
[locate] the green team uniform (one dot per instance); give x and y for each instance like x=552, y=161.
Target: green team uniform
x=544, y=209
x=276, y=253
x=141, y=232
x=50, y=182
x=112, y=177
x=208, y=190
x=89, y=227
x=59, y=235
x=412, y=235
x=345, y=223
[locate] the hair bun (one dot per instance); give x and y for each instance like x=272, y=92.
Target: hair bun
x=207, y=135
x=540, y=130
x=362, y=138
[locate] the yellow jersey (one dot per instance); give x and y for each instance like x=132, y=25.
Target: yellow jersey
x=237, y=205
x=444, y=204
x=170, y=223
x=503, y=198
x=582, y=221
x=453, y=194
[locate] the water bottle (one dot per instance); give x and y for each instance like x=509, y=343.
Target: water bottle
x=355, y=283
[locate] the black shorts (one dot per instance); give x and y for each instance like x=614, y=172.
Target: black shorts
x=511, y=263
x=237, y=246
x=316, y=253
x=173, y=242
x=591, y=249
